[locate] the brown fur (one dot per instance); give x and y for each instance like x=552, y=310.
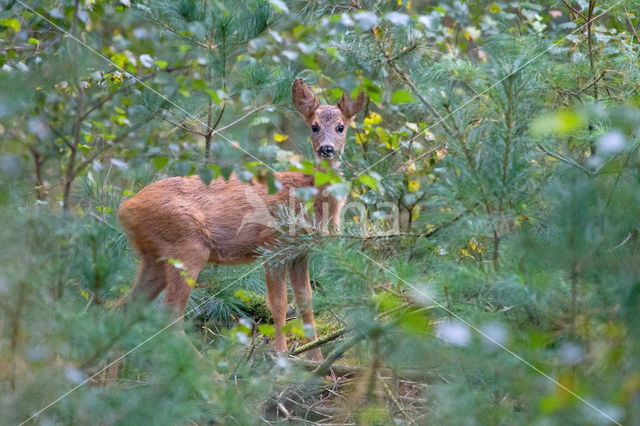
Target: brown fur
x=182, y=218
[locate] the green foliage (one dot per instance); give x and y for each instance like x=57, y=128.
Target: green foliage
x=491, y=257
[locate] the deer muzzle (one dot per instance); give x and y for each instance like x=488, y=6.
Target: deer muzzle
x=326, y=151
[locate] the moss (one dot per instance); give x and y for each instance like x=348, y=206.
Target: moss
x=325, y=324
x=255, y=306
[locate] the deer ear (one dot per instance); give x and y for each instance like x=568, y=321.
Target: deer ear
x=350, y=107
x=304, y=99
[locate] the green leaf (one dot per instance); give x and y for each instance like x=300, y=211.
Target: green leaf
x=272, y=183
x=183, y=168
x=368, y=180
x=225, y=172
x=320, y=178
x=160, y=162
x=33, y=40
x=414, y=322
x=401, y=97
x=206, y=175
x=162, y=64
x=213, y=95
x=561, y=122
x=292, y=328
x=267, y=329
x=372, y=91
x=119, y=59
x=199, y=84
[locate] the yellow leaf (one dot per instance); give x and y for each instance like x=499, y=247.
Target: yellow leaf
x=494, y=8
x=413, y=185
x=85, y=294
x=361, y=138
x=415, y=212
x=12, y=23
x=373, y=119
x=278, y=137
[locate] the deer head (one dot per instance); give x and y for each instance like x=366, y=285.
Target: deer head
x=328, y=123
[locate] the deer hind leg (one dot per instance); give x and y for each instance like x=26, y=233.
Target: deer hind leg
x=191, y=260
x=277, y=304
x=299, y=274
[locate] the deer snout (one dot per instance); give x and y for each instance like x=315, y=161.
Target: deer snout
x=326, y=151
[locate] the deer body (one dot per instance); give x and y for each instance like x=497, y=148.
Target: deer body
x=182, y=218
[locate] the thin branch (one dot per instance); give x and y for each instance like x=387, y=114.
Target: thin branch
x=233, y=123
x=345, y=370
x=592, y=61
x=59, y=134
x=574, y=10
x=106, y=147
x=177, y=34
x=593, y=82
x=394, y=400
x=404, y=167
x=566, y=160
x=103, y=221
x=183, y=126
x=633, y=28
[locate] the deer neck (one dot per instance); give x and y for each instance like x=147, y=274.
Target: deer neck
x=326, y=206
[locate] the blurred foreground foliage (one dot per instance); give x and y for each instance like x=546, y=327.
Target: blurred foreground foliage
x=499, y=142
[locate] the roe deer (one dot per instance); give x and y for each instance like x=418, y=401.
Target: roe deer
x=182, y=218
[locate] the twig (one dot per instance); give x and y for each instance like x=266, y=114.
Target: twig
x=593, y=82
x=592, y=61
x=346, y=370
x=395, y=401
x=233, y=123
x=177, y=34
x=574, y=10
x=566, y=160
x=102, y=220
x=629, y=236
x=184, y=127
x=284, y=410
x=404, y=167
x=633, y=28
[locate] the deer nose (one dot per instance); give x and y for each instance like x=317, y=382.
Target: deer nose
x=326, y=151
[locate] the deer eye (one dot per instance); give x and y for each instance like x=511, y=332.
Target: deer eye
x=315, y=128
x=340, y=128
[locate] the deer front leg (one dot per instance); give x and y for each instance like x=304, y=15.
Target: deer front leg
x=299, y=274
x=277, y=304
